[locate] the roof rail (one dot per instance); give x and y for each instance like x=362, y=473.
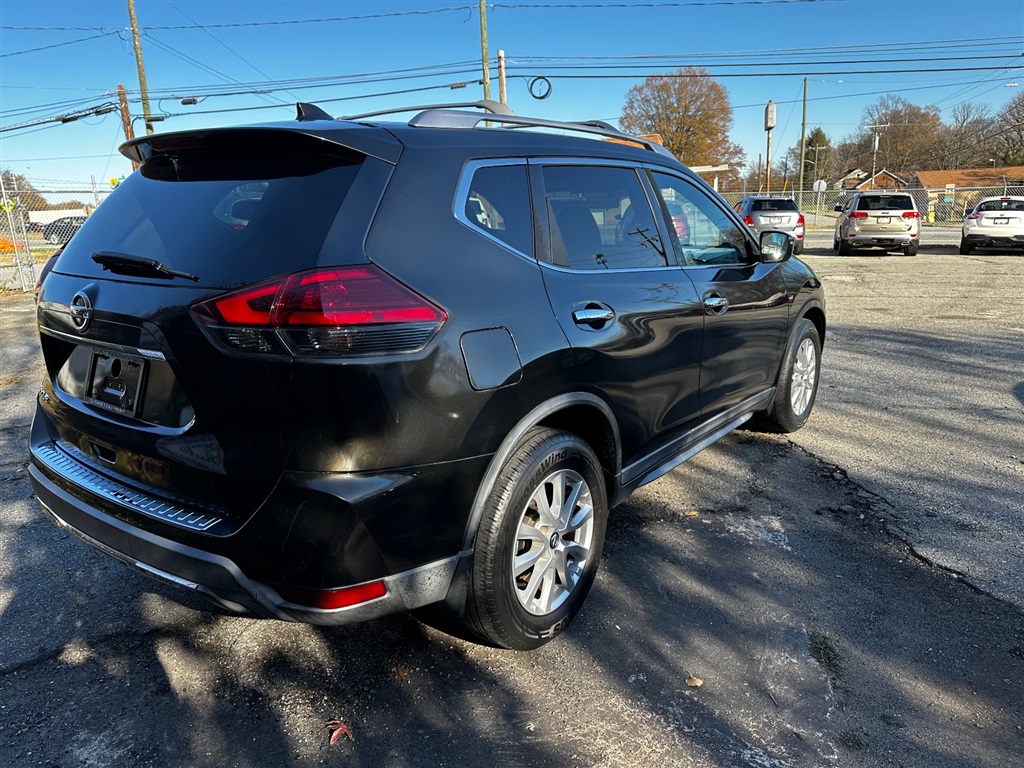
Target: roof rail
x=494, y=107
x=450, y=118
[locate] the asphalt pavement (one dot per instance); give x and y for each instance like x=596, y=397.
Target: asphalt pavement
x=849, y=595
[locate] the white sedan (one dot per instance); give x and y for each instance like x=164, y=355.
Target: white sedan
x=995, y=222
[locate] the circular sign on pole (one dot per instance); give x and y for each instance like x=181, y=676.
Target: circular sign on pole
x=819, y=185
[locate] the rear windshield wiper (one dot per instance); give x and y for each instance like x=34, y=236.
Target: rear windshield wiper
x=138, y=266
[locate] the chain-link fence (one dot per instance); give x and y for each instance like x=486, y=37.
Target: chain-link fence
x=29, y=234
x=34, y=224
x=942, y=211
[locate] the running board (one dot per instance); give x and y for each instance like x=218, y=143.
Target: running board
x=693, y=450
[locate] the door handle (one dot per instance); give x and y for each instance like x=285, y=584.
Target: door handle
x=715, y=304
x=592, y=315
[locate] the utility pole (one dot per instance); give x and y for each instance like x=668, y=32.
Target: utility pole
x=803, y=143
x=143, y=89
x=874, y=152
x=769, y=123
x=126, y=118
x=484, y=56
x=502, y=92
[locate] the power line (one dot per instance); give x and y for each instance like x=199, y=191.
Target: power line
x=59, y=45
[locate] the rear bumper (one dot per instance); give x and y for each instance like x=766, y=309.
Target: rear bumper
x=994, y=240
x=882, y=241
x=219, y=578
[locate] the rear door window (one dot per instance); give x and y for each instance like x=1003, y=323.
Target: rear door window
x=233, y=210
x=600, y=217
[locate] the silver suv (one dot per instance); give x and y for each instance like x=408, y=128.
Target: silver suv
x=878, y=219
x=773, y=214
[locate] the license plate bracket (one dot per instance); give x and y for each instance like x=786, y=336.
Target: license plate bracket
x=115, y=382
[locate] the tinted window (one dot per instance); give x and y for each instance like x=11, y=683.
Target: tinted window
x=231, y=215
x=702, y=232
x=1001, y=205
x=885, y=203
x=600, y=218
x=499, y=203
x=773, y=205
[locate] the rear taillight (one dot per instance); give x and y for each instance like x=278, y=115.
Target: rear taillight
x=858, y=215
x=800, y=220
x=911, y=215
x=339, y=311
x=748, y=220
x=973, y=216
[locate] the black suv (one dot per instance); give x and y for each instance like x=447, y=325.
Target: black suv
x=326, y=370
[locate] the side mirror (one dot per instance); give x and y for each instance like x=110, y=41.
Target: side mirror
x=775, y=247
x=838, y=208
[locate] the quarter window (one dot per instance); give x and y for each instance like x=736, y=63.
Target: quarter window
x=498, y=202
x=701, y=231
x=600, y=218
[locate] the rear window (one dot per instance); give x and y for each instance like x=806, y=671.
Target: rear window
x=773, y=205
x=885, y=203
x=231, y=208
x=1001, y=205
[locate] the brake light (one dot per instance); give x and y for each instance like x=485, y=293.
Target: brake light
x=332, y=599
x=858, y=215
x=973, y=216
x=800, y=220
x=911, y=215
x=341, y=310
x=748, y=220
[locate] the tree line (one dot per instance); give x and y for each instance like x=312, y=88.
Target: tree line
x=692, y=114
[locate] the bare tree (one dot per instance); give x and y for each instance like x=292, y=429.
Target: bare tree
x=1008, y=133
x=966, y=141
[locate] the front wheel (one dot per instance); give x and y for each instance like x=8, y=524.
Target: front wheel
x=798, y=381
x=539, y=543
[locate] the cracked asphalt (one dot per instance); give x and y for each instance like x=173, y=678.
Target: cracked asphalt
x=849, y=595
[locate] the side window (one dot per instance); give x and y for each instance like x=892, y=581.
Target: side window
x=498, y=202
x=600, y=218
x=702, y=231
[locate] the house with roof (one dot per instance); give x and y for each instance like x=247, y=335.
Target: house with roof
x=949, y=194
x=856, y=180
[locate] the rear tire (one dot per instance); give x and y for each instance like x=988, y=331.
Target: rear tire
x=965, y=249
x=798, y=381
x=844, y=248
x=911, y=250
x=539, y=543
x=798, y=248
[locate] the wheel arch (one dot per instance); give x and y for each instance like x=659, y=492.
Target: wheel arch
x=580, y=413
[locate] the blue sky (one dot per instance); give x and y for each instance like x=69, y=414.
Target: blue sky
x=574, y=43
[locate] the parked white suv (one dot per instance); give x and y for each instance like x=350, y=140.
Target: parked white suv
x=878, y=219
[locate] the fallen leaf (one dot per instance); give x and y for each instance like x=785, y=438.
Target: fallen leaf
x=693, y=513
x=339, y=728
x=401, y=672
x=694, y=682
